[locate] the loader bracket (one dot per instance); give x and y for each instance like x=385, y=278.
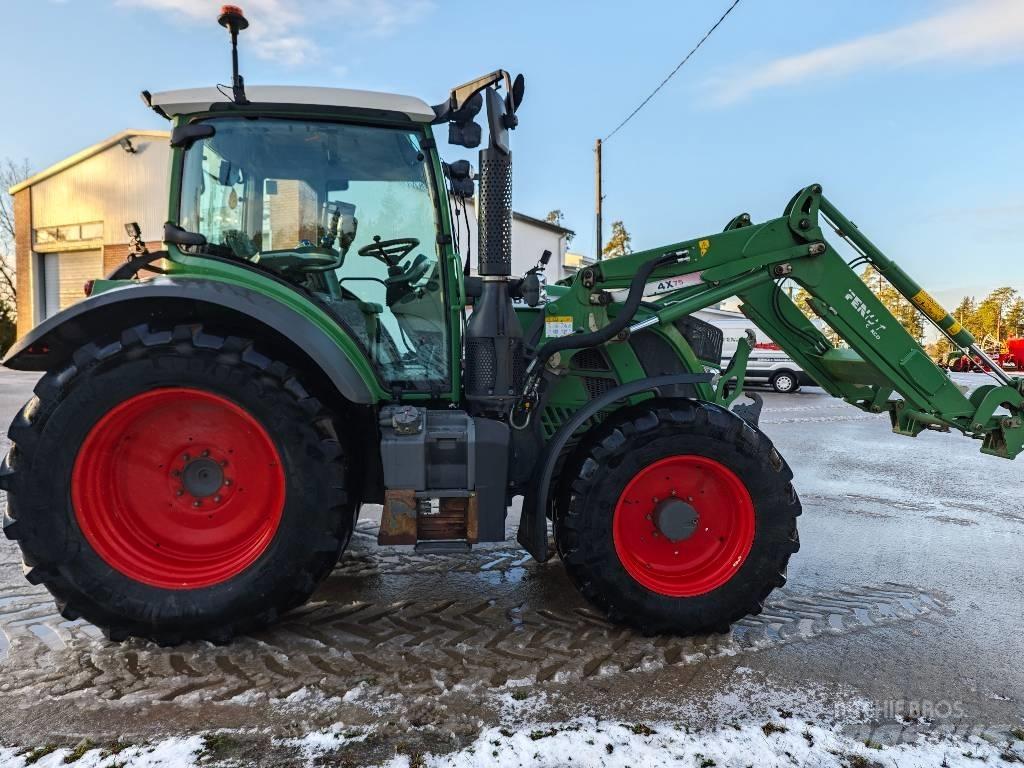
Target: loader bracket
x=750, y=412
x=730, y=384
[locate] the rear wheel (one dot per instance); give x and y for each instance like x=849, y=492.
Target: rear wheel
x=176, y=485
x=784, y=382
x=679, y=518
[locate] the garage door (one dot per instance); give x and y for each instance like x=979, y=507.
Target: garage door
x=73, y=270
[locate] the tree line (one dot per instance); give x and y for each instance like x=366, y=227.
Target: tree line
x=997, y=317
x=10, y=174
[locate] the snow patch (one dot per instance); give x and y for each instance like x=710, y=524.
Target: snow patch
x=169, y=753
x=317, y=743
x=779, y=743
x=305, y=698
x=356, y=693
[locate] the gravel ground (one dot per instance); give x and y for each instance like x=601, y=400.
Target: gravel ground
x=902, y=617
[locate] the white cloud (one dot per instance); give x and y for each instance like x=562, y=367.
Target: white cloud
x=283, y=30
x=982, y=31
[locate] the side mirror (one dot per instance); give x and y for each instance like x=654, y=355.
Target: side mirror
x=530, y=289
x=515, y=95
x=179, y=236
x=186, y=135
x=498, y=120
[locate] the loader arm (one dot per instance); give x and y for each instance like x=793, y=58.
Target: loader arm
x=884, y=368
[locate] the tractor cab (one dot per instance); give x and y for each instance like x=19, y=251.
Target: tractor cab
x=345, y=204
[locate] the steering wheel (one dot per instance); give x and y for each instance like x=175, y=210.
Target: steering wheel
x=391, y=252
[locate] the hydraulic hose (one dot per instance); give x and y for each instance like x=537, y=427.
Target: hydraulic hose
x=629, y=307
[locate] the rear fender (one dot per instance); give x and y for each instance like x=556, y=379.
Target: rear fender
x=240, y=310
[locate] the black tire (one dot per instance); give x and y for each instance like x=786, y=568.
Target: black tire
x=626, y=445
x=784, y=382
x=316, y=517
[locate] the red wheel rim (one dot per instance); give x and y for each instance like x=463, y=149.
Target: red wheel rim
x=178, y=488
x=718, y=544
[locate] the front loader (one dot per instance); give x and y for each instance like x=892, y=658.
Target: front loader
x=213, y=415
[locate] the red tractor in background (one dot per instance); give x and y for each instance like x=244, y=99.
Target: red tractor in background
x=1014, y=354
x=1008, y=355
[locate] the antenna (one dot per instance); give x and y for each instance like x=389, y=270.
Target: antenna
x=232, y=18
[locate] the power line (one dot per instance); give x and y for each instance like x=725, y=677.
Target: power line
x=673, y=72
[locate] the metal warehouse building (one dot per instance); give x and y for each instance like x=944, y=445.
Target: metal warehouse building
x=70, y=222
x=69, y=219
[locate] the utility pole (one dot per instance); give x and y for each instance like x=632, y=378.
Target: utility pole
x=599, y=197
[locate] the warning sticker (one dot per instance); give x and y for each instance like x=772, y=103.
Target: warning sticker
x=923, y=301
x=954, y=329
x=558, y=325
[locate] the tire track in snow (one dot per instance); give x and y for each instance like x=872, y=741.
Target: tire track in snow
x=405, y=645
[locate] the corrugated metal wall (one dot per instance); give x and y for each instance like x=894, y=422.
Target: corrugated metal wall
x=114, y=187
x=74, y=270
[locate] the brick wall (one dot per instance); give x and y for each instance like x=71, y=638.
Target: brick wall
x=23, y=258
x=293, y=214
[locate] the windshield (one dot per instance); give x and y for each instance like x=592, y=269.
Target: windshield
x=346, y=211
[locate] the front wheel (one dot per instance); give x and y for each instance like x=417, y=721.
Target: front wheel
x=176, y=485
x=678, y=518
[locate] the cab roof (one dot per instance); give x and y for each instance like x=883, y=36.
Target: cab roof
x=194, y=100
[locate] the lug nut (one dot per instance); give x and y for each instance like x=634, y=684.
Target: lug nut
x=186, y=457
x=180, y=492
x=227, y=481
x=217, y=499
x=197, y=503
x=205, y=454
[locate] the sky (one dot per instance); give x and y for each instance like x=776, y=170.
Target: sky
x=910, y=114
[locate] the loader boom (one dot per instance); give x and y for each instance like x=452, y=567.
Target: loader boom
x=884, y=368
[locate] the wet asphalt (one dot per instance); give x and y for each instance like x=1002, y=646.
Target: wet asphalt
x=905, y=597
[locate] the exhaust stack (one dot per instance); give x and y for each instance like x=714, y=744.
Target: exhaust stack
x=494, y=340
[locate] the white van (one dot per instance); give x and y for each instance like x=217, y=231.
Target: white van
x=768, y=362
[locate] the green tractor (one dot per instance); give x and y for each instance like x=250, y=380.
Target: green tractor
x=213, y=415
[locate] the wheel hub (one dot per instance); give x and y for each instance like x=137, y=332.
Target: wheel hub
x=683, y=525
x=675, y=519
x=178, y=488
x=202, y=477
